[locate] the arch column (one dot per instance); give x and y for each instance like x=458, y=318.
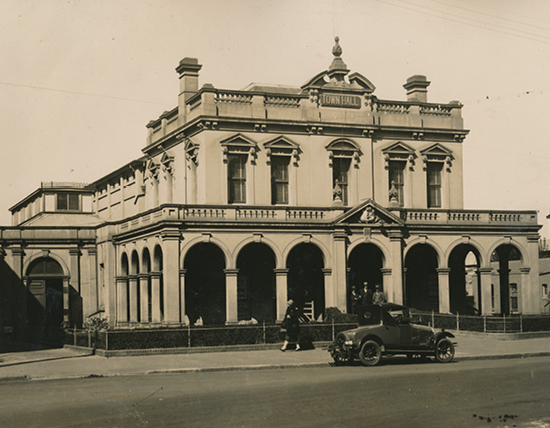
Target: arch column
x=387, y=284
x=143, y=298
x=75, y=268
x=485, y=275
x=526, y=307
x=337, y=288
x=281, y=284
x=396, y=267
x=133, y=298
x=17, y=255
x=92, y=305
x=156, y=315
x=443, y=287
x=171, y=276
x=329, y=286
x=121, y=299
x=182, y=296
x=231, y=302
x=531, y=294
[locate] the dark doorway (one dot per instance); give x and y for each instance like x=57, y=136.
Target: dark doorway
x=305, y=277
x=464, y=282
x=421, y=282
x=502, y=259
x=364, y=265
x=256, y=283
x=205, y=284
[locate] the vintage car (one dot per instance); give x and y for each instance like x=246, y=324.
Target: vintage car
x=386, y=329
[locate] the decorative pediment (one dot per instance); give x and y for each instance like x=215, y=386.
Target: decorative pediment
x=152, y=169
x=191, y=151
x=167, y=162
x=437, y=153
x=239, y=144
x=282, y=146
x=398, y=152
x=369, y=213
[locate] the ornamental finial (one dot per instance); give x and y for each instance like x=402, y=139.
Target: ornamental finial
x=337, y=50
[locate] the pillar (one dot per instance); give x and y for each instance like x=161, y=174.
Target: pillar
x=339, y=285
x=485, y=280
x=387, y=285
x=531, y=294
x=329, y=288
x=231, y=305
x=66, y=317
x=143, y=279
x=171, y=276
x=122, y=300
x=397, y=272
x=133, y=298
x=531, y=306
x=75, y=268
x=183, y=314
x=281, y=284
x=92, y=304
x=443, y=286
x=17, y=255
x=156, y=315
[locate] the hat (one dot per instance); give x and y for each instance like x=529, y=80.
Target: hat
x=377, y=286
x=290, y=302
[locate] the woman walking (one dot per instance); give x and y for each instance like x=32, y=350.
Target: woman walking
x=291, y=323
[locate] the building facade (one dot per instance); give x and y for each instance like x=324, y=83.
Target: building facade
x=245, y=198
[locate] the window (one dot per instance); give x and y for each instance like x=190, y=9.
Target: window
x=434, y=184
x=236, y=171
x=545, y=290
x=67, y=202
x=340, y=172
x=279, y=179
x=396, y=178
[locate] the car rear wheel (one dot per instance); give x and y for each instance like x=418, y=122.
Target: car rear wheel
x=370, y=353
x=444, y=351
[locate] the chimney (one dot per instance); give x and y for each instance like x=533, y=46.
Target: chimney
x=188, y=69
x=417, y=88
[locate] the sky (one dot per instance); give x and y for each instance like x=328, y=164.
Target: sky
x=80, y=80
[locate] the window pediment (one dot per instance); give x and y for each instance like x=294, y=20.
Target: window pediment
x=282, y=146
x=437, y=153
x=239, y=144
x=399, y=152
x=343, y=148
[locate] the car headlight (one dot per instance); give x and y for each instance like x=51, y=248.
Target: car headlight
x=348, y=342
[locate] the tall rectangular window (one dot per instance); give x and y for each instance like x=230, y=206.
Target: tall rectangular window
x=396, y=177
x=434, y=184
x=340, y=173
x=236, y=174
x=513, y=297
x=279, y=179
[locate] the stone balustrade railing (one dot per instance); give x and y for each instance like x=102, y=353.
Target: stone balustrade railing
x=524, y=218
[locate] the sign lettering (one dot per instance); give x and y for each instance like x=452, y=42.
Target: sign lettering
x=336, y=100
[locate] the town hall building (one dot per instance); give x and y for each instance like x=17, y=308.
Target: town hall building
x=246, y=198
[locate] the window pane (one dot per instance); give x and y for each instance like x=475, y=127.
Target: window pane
x=236, y=171
x=434, y=184
x=62, y=201
x=396, y=176
x=340, y=169
x=279, y=179
x=73, y=201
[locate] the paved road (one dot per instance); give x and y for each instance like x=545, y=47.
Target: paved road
x=484, y=393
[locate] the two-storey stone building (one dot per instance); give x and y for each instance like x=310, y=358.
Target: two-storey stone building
x=243, y=199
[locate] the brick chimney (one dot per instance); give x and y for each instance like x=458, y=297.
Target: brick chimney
x=188, y=69
x=417, y=88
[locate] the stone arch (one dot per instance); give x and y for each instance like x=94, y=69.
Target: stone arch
x=503, y=241
x=228, y=255
x=54, y=256
x=265, y=241
x=381, y=246
x=327, y=259
x=479, y=250
x=441, y=260
x=365, y=264
x=421, y=277
x=134, y=263
x=464, y=278
x=256, y=288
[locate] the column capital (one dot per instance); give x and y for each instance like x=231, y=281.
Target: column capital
x=92, y=251
x=17, y=251
x=485, y=271
x=327, y=271
x=231, y=272
x=395, y=235
x=183, y=272
x=120, y=279
x=525, y=270
x=386, y=271
x=75, y=252
x=282, y=271
x=444, y=271
x=170, y=234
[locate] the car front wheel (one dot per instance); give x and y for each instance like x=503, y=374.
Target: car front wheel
x=370, y=353
x=444, y=351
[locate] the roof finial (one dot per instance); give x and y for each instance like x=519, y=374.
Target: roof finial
x=337, y=50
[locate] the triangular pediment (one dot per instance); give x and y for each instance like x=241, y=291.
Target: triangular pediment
x=369, y=213
x=166, y=158
x=398, y=148
x=282, y=143
x=239, y=140
x=436, y=149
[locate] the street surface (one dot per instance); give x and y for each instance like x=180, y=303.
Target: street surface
x=487, y=393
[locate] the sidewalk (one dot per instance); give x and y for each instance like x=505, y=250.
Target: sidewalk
x=71, y=362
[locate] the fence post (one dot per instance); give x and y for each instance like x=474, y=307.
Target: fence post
x=106, y=340
x=189, y=335
x=89, y=339
x=74, y=334
x=504, y=323
x=484, y=323
x=433, y=319
x=333, y=329
x=521, y=323
x=264, y=333
x=457, y=321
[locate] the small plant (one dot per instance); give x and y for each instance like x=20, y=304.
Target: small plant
x=96, y=324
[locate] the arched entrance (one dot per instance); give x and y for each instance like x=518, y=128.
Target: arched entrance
x=305, y=277
x=256, y=283
x=506, y=261
x=205, y=284
x=45, y=300
x=364, y=265
x=421, y=282
x=464, y=281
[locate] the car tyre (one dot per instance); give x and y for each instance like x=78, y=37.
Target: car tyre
x=370, y=353
x=444, y=351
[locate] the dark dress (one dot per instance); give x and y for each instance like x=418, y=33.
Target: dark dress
x=292, y=324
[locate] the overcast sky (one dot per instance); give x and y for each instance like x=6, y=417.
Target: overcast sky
x=79, y=80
